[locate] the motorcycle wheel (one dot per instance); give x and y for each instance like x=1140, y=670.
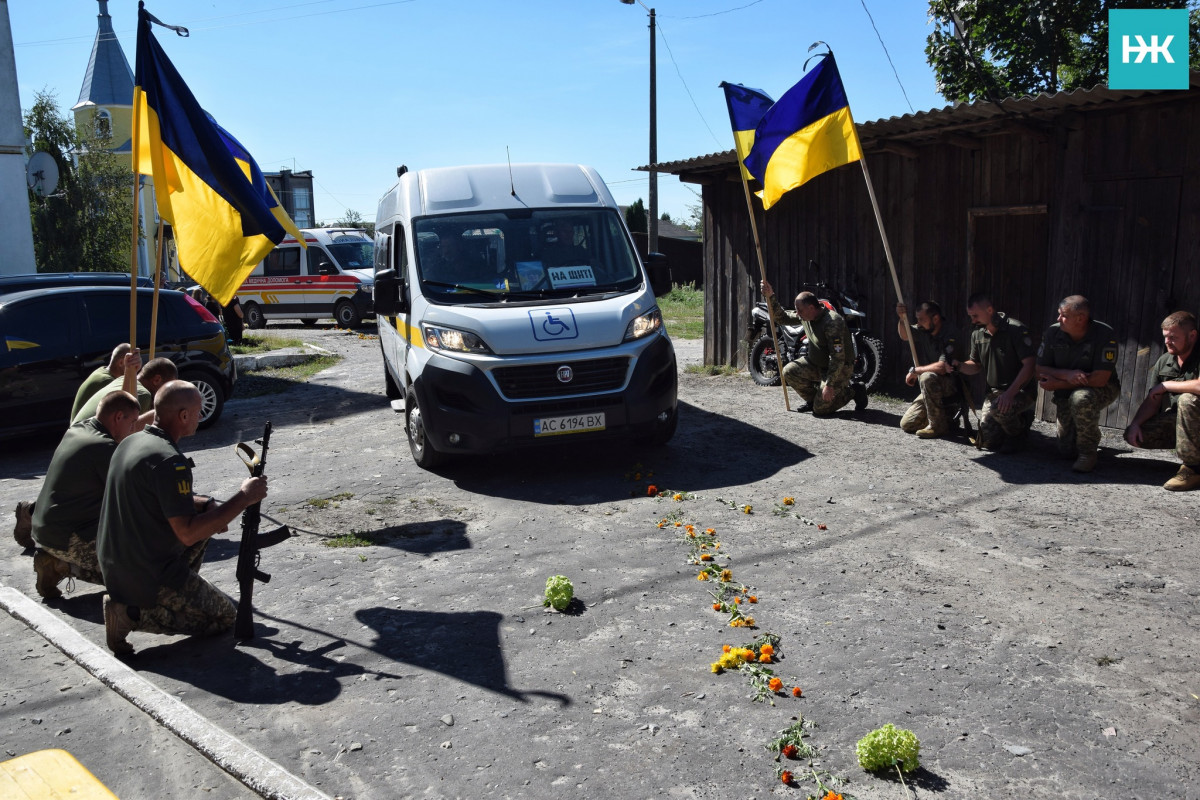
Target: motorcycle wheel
x=868, y=366
x=764, y=365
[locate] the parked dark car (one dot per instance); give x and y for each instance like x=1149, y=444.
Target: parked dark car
x=53, y=338
x=45, y=280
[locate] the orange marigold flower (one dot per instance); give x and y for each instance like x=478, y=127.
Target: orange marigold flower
x=710, y=531
x=677, y=524
x=706, y=556
x=787, y=501
x=765, y=658
x=747, y=654
x=725, y=648
x=726, y=575
x=832, y=796
x=662, y=524
x=737, y=600
x=822, y=527
x=677, y=496
x=775, y=684
x=651, y=490
x=691, y=529
x=786, y=777
x=789, y=751
x=797, y=691
x=768, y=649
x=747, y=509
x=637, y=476
x=703, y=576
x=716, y=606
x=753, y=598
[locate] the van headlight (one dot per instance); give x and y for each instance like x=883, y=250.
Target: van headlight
x=646, y=324
x=439, y=338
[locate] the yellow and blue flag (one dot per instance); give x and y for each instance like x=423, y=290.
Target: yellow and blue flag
x=223, y=222
x=746, y=109
x=253, y=174
x=807, y=132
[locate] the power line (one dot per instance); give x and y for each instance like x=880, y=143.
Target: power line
x=719, y=13
x=889, y=55
x=678, y=72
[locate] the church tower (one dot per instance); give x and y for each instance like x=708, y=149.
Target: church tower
x=106, y=99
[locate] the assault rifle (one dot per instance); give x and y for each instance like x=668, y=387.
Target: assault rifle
x=253, y=541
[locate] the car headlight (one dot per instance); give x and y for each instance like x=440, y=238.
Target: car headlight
x=438, y=338
x=646, y=324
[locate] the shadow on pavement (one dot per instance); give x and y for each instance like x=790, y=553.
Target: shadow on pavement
x=1038, y=461
x=461, y=645
x=597, y=471
x=236, y=672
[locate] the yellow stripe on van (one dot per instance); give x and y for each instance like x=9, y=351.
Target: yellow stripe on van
x=410, y=333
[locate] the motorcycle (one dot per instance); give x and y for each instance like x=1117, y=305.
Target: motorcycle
x=765, y=366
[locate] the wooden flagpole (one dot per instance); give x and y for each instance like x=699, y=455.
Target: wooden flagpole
x=157, y=286
x=887, y=249
x=130, y=382
x=762, y=269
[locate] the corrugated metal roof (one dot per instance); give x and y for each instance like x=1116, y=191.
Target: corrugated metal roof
x=109, y=80
x=980, y=118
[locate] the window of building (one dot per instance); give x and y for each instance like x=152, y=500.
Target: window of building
x=302, y=200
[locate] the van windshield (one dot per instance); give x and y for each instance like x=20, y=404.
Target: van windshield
x=524, y=255
x=353, y=253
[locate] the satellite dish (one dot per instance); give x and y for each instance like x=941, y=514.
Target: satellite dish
x=41, y=173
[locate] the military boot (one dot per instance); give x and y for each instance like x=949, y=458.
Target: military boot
x=1186, y=479
x=117, y=625
x=1085, y=463
x=23, y=530
x=50, y=572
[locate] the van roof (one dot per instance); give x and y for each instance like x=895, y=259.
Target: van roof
x=494, y=186
x=327, y=235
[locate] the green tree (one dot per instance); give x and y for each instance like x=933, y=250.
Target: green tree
x=84, y=225
x=635, y=217
x=695, y=219
x=991, y=49
x=353, y=219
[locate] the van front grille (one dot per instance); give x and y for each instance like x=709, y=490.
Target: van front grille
x=541, y=380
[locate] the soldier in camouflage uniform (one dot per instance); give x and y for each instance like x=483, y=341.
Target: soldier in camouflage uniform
x=1170, y=414
x=822, y=377
x=154, y=529
x=68, y=508
x=1077, y=361
x=1001, y=348
x=937, y=355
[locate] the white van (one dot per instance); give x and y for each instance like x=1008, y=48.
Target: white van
x=513, y=309
x=331, y=277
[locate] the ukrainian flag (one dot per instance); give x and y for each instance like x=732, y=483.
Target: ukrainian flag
x=254, y=175
x=807, y=132
x=746, y=109
x=223, y=223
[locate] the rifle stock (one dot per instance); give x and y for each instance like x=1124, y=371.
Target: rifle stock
x=253, y=541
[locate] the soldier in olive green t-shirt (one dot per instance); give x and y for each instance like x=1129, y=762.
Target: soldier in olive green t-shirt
x=1002, y=349
x=1170, y=414
x=1077, y=362
x=122, y=358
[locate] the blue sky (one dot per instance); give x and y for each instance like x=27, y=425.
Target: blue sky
x=352, y=88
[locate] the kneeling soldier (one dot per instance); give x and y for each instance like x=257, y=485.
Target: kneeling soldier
x=1170, y=414
x=938, y=354
x=1077, y=362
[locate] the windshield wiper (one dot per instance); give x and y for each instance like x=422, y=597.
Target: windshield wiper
x=471, y=289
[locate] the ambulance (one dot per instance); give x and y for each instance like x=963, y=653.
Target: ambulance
x=514, y=311
x=332, y=277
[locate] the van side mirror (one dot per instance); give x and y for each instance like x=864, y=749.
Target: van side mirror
x=660, y=274
x=388, y=296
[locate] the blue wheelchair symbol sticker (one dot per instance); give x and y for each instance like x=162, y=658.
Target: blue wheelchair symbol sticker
x=552, y=324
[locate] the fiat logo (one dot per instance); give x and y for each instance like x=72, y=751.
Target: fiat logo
x=565, y=374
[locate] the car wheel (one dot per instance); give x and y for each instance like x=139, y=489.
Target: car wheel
x=346, y=315
x=414, y=425
x=308, y=322
x=212, y=399
x=253, y=316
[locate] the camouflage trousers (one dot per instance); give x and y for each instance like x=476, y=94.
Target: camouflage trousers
x=197, y=608
x=81, y=556
x=929, y=409
x=806, y=379
x=1179, y=429
x=994, y=425
x=1079, y=417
